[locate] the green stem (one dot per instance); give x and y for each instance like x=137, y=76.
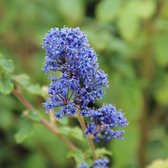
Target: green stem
x=88, y=139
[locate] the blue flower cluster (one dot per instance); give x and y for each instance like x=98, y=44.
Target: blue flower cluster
x=103, y=121
x=100, y=163
x=77, y=81
x=83, y=165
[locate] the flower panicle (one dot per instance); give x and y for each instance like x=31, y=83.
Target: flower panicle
x=77, y=81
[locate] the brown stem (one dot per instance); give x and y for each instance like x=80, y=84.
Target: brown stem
x=88, y=139
x=17, y=93
x=146, y=71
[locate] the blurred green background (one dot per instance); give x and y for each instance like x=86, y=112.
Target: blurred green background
x=131, y=40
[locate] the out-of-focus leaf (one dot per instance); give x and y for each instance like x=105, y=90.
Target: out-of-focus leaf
x=107, y=10
x=66, y=10
x=74, y=132
x=25, y=132
x=144, y=9
x=34, y=116
x=161, y=49
x=126, y=95
x=78, y=155
x=6, y=86
x=44, y=139
x=161, y=93
x=103, y=151
x=36, y=158
x=131, y=15
x=63, y=121
x=6, y=65
x=123, y=152
x=22, y=79
x=6, y=118
x=101, y=40
x=128, y=24
x=159, y=164
x=34, y=89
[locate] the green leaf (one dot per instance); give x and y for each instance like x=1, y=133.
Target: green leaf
x=145, y=9
x=64, y=121
x=159, y=164
x=107, y=10
x=128, y=24
x=34, y=89
x=131, y=15
x=74, y=132
x=6, y=86
x=161, y=49
x=6, y=65
x=25, y=132
x=37, y=158
x=103, y=151
x=161, y=93
x=34, y=116
x=65, y=9
x=123, y=152
x=22, y=79
x=78, y=155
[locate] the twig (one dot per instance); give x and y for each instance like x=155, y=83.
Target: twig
x=17, y=93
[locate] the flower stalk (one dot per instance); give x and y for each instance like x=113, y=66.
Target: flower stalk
x=88, y=139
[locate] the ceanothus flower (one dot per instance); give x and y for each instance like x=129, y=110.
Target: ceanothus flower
x=83, y=165
x=72, y=66
x=101, y=163
x=76, y=81
x=103, y=122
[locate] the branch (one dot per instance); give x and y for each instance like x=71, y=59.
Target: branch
x=18, y=94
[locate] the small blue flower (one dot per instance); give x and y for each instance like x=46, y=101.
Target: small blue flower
x=83, y=165
x=101, y=163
